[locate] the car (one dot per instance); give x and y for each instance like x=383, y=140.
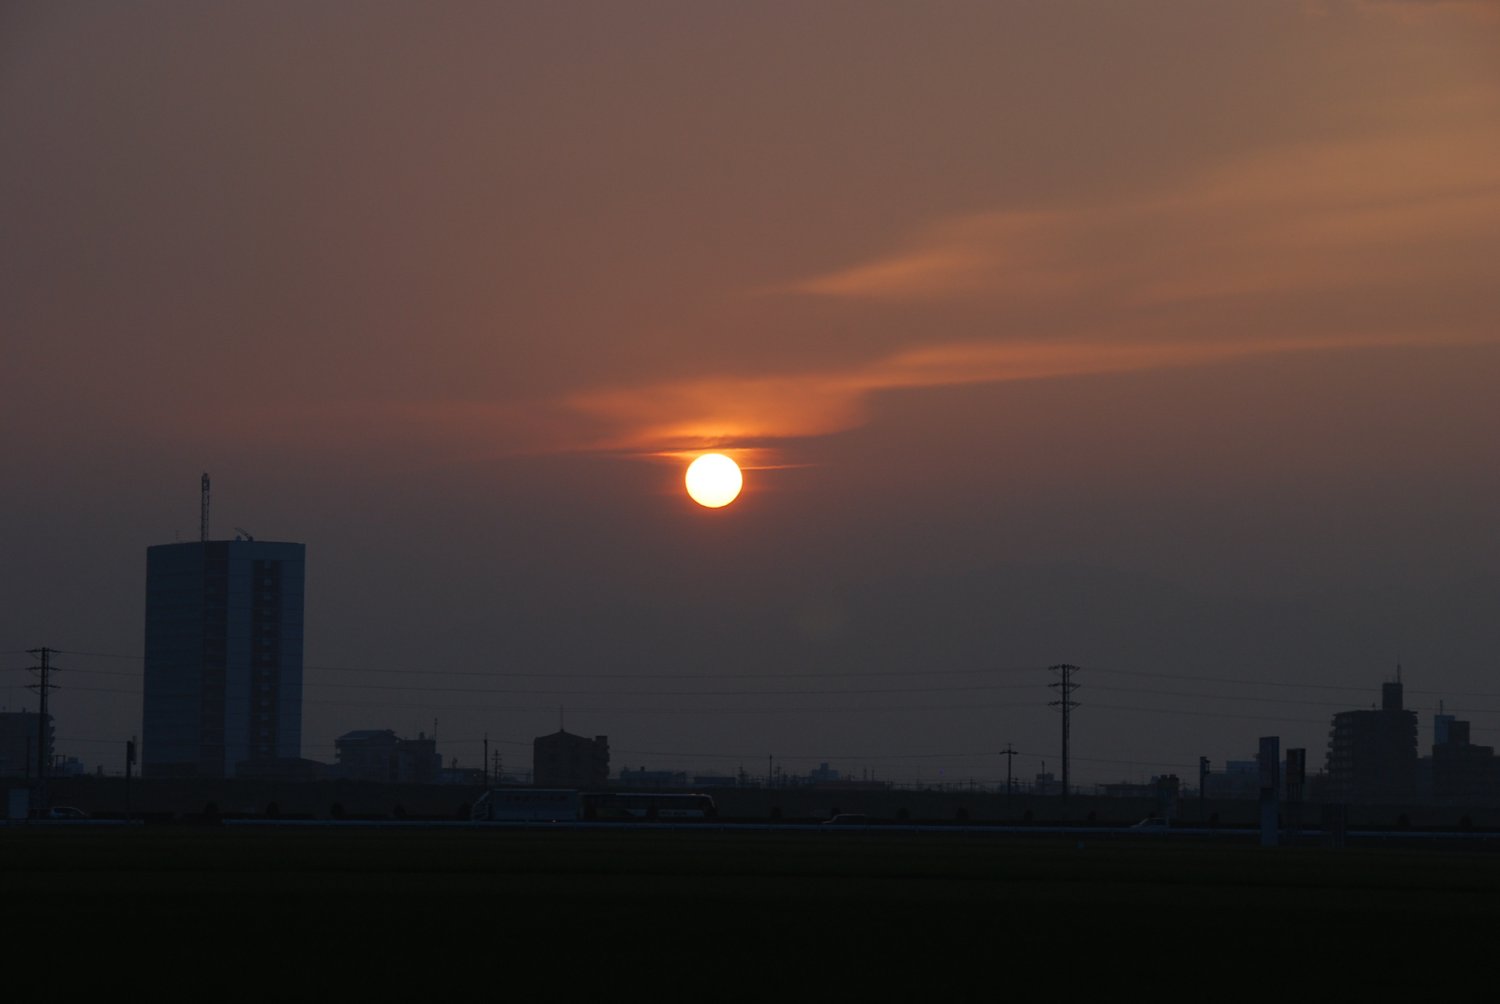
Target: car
x=65, y=812
x=848, y=819
x=1152, y=823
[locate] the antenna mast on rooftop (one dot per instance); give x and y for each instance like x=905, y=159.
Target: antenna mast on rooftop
x=203, y=511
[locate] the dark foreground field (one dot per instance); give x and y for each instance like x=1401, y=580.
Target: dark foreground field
x=865, y=911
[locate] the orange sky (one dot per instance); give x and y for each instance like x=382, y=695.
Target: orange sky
x=1177, y=299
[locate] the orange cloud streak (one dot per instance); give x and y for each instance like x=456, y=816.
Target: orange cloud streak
x=727, y=411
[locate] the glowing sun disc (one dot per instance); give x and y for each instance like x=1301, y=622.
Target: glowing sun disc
x=714, y=481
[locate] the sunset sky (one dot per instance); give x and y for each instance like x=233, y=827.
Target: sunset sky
x=1159, y=338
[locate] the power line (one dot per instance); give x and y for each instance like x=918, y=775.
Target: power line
x=505, y=673
x=428, y=688
x=848, y=703
x=925, y=672
x=823, y=709
x=1217, y=697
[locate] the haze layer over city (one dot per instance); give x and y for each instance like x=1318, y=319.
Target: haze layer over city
x=1158, y=339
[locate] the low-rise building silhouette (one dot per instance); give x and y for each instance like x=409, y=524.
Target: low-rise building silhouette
x=1238, y=779
x=563, y=760
x=640, y=777
x=381, y=755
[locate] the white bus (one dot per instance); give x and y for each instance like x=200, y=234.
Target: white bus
x=535, y=805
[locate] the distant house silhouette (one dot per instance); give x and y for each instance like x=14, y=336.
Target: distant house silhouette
x=563, y=760
x=381, y=755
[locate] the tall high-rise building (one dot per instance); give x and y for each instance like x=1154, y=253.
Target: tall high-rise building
x=223, y=657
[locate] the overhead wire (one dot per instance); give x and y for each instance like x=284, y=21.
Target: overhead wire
x=429, y=685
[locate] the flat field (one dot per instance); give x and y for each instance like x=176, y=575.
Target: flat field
x=859, y=909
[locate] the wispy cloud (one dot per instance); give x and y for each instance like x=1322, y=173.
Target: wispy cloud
x=1012, y=253
x=1333, y=215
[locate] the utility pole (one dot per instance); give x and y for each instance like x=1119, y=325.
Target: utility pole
x=42, y=687
x=1065, y=703
x=1010, y=755
x=486, y=760
x=1203, y=771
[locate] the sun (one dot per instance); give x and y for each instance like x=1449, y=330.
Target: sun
x=714, y=481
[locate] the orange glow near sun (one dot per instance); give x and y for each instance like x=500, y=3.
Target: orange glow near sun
x=714, y=481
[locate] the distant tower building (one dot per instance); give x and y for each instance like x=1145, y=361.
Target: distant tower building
x=223, y=668
x=563, y=760
x=1442, y=725
x=1461, y=770
x=1372, y=755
